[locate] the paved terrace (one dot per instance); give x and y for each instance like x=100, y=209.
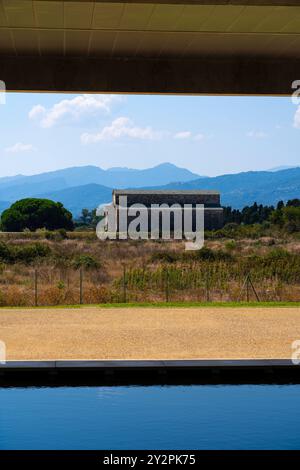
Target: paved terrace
x=149, y=333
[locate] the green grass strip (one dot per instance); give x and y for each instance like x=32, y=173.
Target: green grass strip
x=167, y=305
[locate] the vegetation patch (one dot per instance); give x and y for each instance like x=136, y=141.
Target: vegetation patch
x=23, y=254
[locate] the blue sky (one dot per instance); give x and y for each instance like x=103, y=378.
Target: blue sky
x=209, y=135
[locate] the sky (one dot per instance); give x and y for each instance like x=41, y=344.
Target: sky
x=209, y=135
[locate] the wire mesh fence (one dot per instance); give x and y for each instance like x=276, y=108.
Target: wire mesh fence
x=51, y=286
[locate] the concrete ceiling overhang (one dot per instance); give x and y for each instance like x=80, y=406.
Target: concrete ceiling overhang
x=148, y=46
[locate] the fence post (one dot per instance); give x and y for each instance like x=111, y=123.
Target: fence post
x=247, y=287
x=207, y=288
x=253, y=288
x=80, y=286
x=124, y=284
x=167, y=285
x=247, y=284
x=35, y=288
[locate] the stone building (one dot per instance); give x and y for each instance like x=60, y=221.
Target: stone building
x=213, y=212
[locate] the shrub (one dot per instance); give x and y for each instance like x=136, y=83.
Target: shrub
x=56, y=235
x=203, y=254
x=278, y=254
x=235, y=231
x=230, y=245
x=165, y=256
x=25, y=254
x=29, y=253
x=84, y=261
x=5, y=253
x=206, y=254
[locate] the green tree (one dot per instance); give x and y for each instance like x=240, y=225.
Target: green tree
x=85, y=216
x=35, y=214
x=88, y=218
x=280, y=205
x=293, y=203
x=287, y=217
x=291, y=218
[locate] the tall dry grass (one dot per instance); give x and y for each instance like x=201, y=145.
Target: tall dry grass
x=154, y=271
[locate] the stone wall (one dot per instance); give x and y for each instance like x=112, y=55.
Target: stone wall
x=213, y=212
x=208, y=198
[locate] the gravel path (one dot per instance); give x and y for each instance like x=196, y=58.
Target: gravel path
x=149, y=333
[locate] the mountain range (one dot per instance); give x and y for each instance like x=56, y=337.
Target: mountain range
x=241, y=189
x=90, y=186
x=20, y=186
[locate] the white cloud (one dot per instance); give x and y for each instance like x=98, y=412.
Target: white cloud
x=119, y=128
x=123, y=127
x=36, y=111
x=199, y=136
x=19, y=147
x=188, y=135
x=183, y=135
x=257, y=134
x=74, y=108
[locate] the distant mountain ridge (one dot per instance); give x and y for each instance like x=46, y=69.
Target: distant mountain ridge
x=76, y=188
x=80, y=176
x=95, y=182
x=283, y=167
x=241, y=189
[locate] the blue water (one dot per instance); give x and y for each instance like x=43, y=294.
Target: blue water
x=151, y=417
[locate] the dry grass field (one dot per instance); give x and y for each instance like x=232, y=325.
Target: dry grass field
x=154, y=271
x=149, y=333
